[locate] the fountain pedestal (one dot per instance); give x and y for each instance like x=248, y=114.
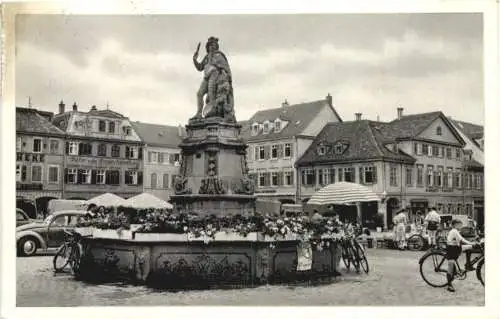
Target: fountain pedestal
x=213, y=176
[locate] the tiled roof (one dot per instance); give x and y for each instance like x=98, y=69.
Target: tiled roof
x=299, y=116
x=106, y=113
x=409, y=126
x=473, y=163
x=473, y=131
x=158, y=135
x=360, y=137
x=30, y=121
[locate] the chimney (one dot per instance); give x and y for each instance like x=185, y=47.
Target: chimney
x=284, y=104
x=400, y=113
x=358, y=116
x=61, y=107
x=93, y=108
x=75, y=107
x=329, y=99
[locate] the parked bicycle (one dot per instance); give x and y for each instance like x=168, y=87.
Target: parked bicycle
x=69, y=253
x=434, y=266
x=353, y=253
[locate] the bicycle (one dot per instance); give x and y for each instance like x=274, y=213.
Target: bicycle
x=69, y=253
x=417, y=242
x=436, y=261
x=354, y=253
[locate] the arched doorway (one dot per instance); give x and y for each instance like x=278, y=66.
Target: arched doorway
x=392, y=206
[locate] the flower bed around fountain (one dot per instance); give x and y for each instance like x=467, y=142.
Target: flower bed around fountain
x=182, y=250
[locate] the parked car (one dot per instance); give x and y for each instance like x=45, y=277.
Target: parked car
x=48, y=233
x=22, y=218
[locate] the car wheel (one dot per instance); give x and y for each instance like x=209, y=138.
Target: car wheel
x=27, y=246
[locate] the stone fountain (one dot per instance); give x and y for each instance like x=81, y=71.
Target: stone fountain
x=213, y=180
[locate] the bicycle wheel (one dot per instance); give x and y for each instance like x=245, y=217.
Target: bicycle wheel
x=433, y=268
x=481, y=271
x=62, y=257
x=363, y=262
x=416, y=243
x=354, y=257
x=345, y=258
x=75, y=260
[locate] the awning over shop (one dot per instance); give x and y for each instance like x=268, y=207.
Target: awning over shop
x=146, y=200
x=342, y=193
x=107, y=200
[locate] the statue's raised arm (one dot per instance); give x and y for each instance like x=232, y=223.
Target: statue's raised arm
x=216, y=85
x=198, y=65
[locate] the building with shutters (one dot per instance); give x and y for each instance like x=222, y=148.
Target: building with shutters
x=102, y=153
x=415, y=161
x=161, y=157
x=276, y=138
x=39, y=157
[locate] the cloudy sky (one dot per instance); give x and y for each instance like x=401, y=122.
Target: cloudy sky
x=141, y=65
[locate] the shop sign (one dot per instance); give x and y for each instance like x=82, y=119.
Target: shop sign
x=29, y=187
x=102, y=162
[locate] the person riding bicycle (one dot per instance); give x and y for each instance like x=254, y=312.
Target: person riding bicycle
x=454, y=248
x=432, y=219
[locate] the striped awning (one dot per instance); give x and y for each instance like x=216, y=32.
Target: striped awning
x=342, y=193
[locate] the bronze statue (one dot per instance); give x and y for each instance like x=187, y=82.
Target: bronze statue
x=216, y=85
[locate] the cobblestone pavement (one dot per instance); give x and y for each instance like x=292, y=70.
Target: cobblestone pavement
x=394, y=279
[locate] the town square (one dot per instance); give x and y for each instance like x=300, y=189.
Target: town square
x=318, y=160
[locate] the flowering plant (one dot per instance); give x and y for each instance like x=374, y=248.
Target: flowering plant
x=196, y=226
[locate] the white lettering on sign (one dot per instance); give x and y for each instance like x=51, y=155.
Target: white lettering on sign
x=103, y=162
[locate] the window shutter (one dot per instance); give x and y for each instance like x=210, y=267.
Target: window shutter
x=292, y=177
x=256, y=154
x=280, y=150
x=139, y=178
x=127, y=151
x=280, y=178
x=66, y=175
x=291, y=149
x=267, y=151
x=354, y=175
x=415, y=148
x=361, y=175
x=93, y=177
x=374, y=174
x=67, y=148
x=140, y=153
x=79, y=176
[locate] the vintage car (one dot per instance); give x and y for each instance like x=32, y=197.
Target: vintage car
x=48, y=233
x=22, y=218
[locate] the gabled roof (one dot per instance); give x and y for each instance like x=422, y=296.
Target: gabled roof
x=473, y=131
x=410, y=126
x=30, y=121
x=159, y=135
x=298, y=116
x=363, y=142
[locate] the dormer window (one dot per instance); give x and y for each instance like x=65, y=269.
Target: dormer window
x=277, y=125
x=255, y=129
x=338, y=149
x=127, y=130
x=439, y=131
x=266, y=127
x=321, y=150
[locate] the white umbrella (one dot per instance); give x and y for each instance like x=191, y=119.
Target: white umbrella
x=107, y=200
x=146, y=200
x=343, y=193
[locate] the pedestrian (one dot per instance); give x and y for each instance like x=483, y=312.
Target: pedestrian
x=454, y=248
x=432, y=220
x=400, y=220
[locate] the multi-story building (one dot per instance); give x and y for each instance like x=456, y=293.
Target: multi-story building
x=416, y=161
x=277, y=138
x=473, y=136
x=102, y=153
x=161, y=157
x=39, y=156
